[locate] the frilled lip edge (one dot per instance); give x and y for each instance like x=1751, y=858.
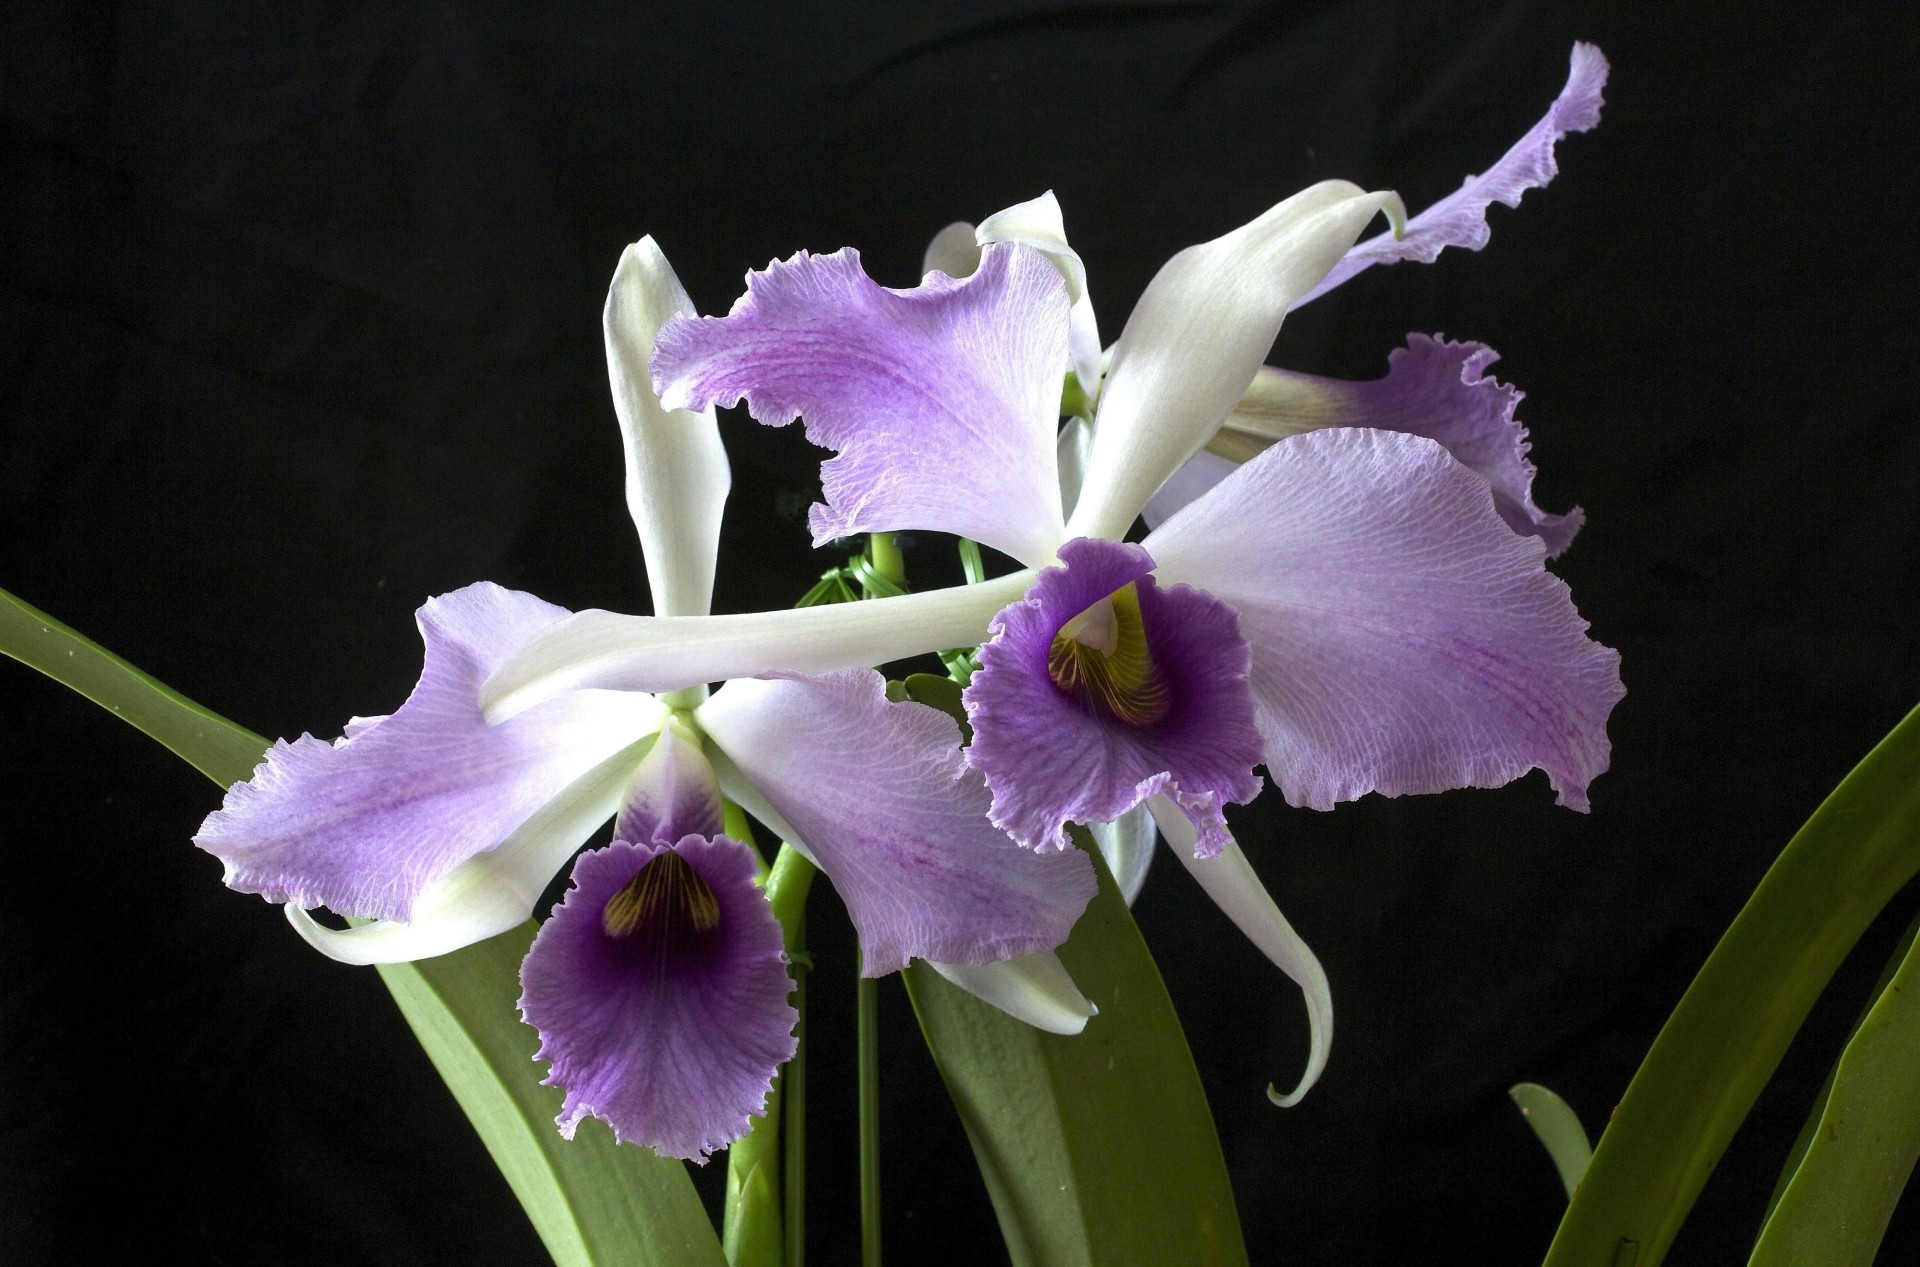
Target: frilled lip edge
x=1051, y=757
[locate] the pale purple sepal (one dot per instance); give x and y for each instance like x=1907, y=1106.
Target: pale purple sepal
x=1051, y=757
x=1460, y=219
x=942, y=400
x=365, y=824
x=1404, y=638
x=671, y=1040
x=882, y=799
x=673, y=793
x=1433, y=388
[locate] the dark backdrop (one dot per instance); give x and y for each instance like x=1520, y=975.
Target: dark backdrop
x=301, y=325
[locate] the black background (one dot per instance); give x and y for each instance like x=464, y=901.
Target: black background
x=299, y=324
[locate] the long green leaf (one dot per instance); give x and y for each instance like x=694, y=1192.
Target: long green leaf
x=592, y=1203
x=208, y=742
x=1728, y=1033
x=1836, y=1206
x=1097, y=1148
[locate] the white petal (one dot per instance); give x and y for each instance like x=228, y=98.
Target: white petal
x=645, y=653
x=1076, y=442
x=1127, y=845
x=1230, y=881
x=1204, y=325
x=490, y=892
x=1033, y=988
x=677, y=475
x=954, y=251
x=1037, y=223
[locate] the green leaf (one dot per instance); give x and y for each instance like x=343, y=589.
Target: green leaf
x=1096, y=1148
x=211, y=744
x=591, y=1202
x=1558, y=1128
x=1728, y=1033
x=1835, y=1208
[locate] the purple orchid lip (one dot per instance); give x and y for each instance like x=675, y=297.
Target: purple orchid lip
x=659, y=988
x=1066, y=731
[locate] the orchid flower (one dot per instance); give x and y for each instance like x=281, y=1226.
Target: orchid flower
x=659, y=984
x=1346, y=608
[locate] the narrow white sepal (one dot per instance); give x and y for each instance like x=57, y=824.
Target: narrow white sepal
x=646, y=653
x=1191, y=347
x=1127, y=845
x=677, y=473
x=1230, y=881
x=1032, y=988
x=1076, y=442
x=491, y=892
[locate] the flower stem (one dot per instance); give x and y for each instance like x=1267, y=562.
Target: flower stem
x=869, y=1025
x=883, y=552
x=788, y=883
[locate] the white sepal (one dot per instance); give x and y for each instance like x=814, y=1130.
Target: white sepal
x=1230, y=881
x=1127, y=845
x=645, y=653
x=1032, y=988
x=1195, y=339
x=677, y=474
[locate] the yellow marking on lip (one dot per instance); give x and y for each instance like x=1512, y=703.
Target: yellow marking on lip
x=667, y=894
x=1101, y=655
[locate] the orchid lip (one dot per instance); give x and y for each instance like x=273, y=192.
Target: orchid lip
x=1101, y=656
x=666, y=898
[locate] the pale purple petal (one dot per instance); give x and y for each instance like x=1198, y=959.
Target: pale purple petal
x=1404, y=638
x=880, y=796
x=942, y=400
x=1460, y=219
x=669, y=1033
x=364, y=825
x=1433, y=388
x=673, y=793
x=1038, y=223
x=1051, y=757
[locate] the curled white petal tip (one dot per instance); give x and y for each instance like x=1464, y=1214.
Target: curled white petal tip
x=1036, y=989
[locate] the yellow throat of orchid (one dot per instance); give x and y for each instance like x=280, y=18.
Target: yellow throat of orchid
x=1101, y=655
x=666, y=895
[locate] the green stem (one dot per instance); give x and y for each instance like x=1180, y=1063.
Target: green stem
x=788, y=884
x=869, y=1025
x=883, y=552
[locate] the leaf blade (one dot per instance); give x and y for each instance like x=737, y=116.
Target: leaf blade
x=1734, y=1023
x=1097, y=1147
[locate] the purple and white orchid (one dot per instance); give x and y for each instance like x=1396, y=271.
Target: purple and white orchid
x=1352, y=608
x=658, y=985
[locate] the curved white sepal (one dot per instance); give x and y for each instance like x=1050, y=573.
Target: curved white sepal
x=1076, y=442
x=490, y=892
x=677, y=473
x=1230, y=881
x=1195, y=339
x=1032, y=988
x=1038, y=224
x=1127, y=845
x=645, y=653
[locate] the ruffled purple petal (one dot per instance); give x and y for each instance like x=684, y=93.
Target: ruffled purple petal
x=1404, y=638
x=880, y=796
x=670, y=1032
x=1433, y=388
x=1460, y=219
x=942, y=400
x=364, y=825
x=1052, y=757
